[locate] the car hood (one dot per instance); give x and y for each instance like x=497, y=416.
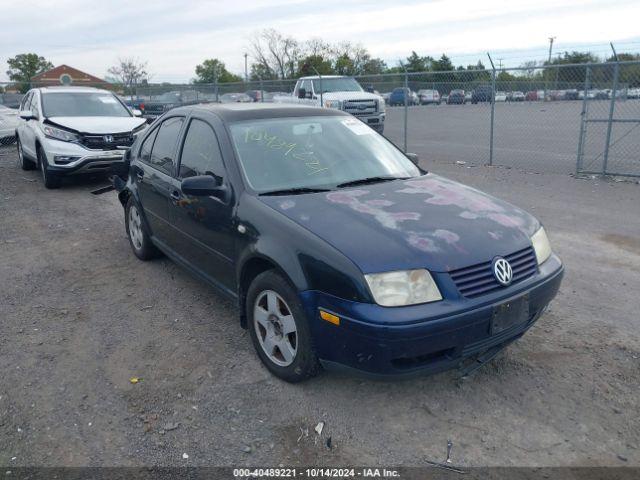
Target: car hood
x=426, y=222
x=99, y=125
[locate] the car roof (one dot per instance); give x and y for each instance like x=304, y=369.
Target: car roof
x=234, y=112
x=62, y=89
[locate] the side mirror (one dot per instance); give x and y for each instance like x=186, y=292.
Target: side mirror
x=204, y=186
x=413, y=157
x=302, y=93
x=27, y=115
x=136, y=112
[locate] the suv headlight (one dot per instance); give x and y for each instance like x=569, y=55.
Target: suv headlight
x=541, y=245
x=381, y=105
x=333, y=104
x=59, y=134
x=409, y=287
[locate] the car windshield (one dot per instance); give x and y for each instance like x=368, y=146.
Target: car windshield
x=336, y=85
x=77, y=104
x=314, y=152
x=169, y=97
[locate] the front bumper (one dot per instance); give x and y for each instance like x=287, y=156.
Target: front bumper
x=429, y=338
x=84, y=160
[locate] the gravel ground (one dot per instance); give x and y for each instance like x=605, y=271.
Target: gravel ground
x=81, y=316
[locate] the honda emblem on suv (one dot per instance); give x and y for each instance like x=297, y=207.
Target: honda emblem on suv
x=502, y=271
x=108, y=138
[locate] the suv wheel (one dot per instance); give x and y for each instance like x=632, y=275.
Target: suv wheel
x=279, y=328
x=139, y=239
x=50, y=180
x=25, y=164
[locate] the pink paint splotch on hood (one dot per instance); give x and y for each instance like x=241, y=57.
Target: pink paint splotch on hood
x=373, y=207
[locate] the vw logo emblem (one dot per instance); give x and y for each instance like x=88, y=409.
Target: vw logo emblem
x=108, y=138
x=502, y=271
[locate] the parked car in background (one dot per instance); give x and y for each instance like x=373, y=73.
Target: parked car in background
x=73, y=130
x=468, y=96
x=157, y=105
x=571, y=94
x=517, y=96
x=8, y=124
x=501, y=96
x=11, y=100
x=340, y=93
x=532, y=96
x=398, y=95
x=385, y=96
x=235, y=98
x=426, y=97
x=633, y=93
x=456, y=97
x=261, y=95
x=428, y=274
x=444, y=97
x=482, y=93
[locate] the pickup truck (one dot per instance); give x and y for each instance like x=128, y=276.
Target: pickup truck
x=341, y=93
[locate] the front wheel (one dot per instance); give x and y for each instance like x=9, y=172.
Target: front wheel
x=279, y=328
x=24, y=162
x=49, y=179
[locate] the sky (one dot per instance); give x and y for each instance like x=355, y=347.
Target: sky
x=175, y=36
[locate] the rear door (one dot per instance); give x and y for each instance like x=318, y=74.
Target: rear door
x=24, y=128
x=153, y=175
x=203, y=232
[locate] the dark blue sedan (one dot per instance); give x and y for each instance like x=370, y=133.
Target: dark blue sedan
x=338, y=249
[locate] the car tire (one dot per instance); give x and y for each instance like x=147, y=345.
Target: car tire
x=25, y=163
x=49, y=179
x=139, y=239
x=279, y=328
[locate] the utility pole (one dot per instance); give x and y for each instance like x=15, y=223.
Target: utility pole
x=246, y=72
x=500, y=63
x=551, y=39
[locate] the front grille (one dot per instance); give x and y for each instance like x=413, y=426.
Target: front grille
x=478, y=279
x=102, y=142
x=360, y=107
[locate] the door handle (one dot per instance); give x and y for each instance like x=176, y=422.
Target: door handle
x=175, y=195
x=139, y=174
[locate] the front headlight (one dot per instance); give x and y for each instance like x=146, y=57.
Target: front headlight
x=333, y=104
x=59, y=134
x=381, y=105
x=541, y=245
x=394, y=289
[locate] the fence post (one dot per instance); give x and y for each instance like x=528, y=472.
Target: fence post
x=261, y=91
x=493, y=108
x=406, y=106
x=583, y=120
x=612, y=106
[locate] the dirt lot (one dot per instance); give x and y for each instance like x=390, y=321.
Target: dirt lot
x=80, y=315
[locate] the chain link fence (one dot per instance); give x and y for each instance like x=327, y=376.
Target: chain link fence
x=582, y=118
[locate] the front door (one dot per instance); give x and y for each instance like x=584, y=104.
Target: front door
x=203, y=225
x=153, y=176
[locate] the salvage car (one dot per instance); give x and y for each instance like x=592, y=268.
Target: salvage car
x=338, y=249
x=73, y=130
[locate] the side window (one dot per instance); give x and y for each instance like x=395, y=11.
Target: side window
x=200, y=153
x=145, y=148
x=26, y=101
x=306, y=84
x=165, y=144
x=34, y=105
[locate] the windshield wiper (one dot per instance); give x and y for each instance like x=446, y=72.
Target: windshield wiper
x=296, y=191
x=364, y=181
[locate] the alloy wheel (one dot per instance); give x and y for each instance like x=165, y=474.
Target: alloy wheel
x=275, y=328
x=135, y=227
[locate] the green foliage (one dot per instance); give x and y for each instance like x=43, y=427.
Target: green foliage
x=307, y=65
x=24, y=66
x=212, y=70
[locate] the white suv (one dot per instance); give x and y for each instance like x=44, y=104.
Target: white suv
x=72, y=130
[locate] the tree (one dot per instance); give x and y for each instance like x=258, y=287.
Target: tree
x=25, y=66
x=307, y=65
x=278, y=55
x=416, y=63
x=130, y=71
x=443, y=64
x=213, y=70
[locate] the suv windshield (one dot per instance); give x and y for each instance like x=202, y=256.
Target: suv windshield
x=336, y=85
x=314, y=152
x=80, y=104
